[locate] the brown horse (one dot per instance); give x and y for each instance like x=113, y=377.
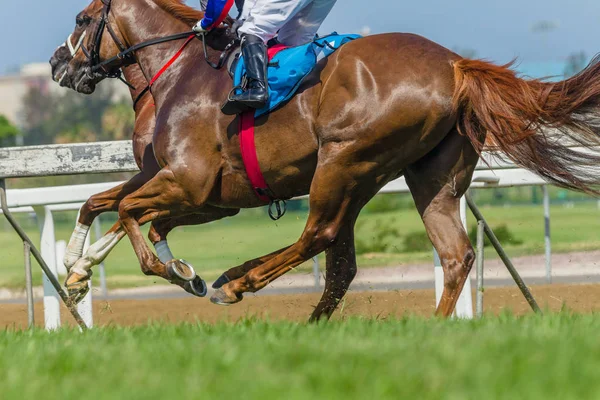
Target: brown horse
x=78, y=264
x=379, y=107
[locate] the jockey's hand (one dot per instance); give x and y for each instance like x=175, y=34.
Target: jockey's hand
x=198, y=28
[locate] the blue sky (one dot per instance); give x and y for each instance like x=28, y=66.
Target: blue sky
x=497, y=30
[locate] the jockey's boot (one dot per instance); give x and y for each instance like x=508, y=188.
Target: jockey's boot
x=255, y=95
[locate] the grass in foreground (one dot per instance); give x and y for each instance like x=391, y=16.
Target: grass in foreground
x=550, y=357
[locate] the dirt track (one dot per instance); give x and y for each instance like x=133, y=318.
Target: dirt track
x=579, y=298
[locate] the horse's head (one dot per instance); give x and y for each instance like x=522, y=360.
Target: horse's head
x=79, y=62
x=64, y=54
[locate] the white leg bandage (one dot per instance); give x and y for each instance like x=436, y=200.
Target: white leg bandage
x=97, y=252
x=75, y=246
x=163, y=251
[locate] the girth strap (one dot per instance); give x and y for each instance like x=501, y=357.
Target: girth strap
x=277, y=207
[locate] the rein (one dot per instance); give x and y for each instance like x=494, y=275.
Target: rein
x=126, y=54
x=190, y=35
x=163, y=69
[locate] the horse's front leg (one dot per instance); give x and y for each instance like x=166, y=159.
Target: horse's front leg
x=243, y=269
x=81, y=272
x=161, y=197
x=97, y=204
x=161, y=228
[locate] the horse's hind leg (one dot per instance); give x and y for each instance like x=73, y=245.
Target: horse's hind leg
x=437, y=183
x=340, y=271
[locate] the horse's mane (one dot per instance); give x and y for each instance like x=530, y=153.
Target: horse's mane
x=180, y=11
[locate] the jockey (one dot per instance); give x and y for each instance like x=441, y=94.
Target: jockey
x=295, y=22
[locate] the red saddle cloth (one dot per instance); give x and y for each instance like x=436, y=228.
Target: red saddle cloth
x=248, y=146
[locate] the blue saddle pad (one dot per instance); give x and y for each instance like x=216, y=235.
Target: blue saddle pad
x=288, y=67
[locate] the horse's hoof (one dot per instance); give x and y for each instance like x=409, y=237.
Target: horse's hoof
x=77, y=293
x=221, y=298
x=77, y=285
x=223, y=279
x=197, y=287
x=180, y=269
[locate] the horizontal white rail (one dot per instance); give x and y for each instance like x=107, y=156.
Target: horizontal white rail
x=67, y=159
x=55, y=194
x=52, y=207
x=115, y=156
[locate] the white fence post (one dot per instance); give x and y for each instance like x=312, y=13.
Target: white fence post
x=48, y=251
x=464, y=305
x=547, y=241
x=316, y=273
x=98, y=234
x=439, y=277
x=61, y=249
x=85, y=306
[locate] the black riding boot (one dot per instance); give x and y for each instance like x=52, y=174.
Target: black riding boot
x=255, y=95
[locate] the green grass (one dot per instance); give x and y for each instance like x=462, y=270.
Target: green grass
x=550, y=357
x=215, y=247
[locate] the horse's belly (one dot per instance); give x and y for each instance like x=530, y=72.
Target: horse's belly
x=287, y=162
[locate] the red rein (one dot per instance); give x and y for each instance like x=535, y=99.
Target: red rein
x=171, y=61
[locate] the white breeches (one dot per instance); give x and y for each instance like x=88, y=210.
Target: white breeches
x=296, y=20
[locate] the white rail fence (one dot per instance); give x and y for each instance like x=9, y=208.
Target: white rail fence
x=105, y=157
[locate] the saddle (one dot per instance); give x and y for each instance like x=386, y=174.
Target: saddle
x=288, y=66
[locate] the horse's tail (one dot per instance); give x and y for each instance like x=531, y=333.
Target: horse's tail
x=546, y=127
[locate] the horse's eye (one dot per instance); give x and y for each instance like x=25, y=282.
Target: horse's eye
x=80, y=21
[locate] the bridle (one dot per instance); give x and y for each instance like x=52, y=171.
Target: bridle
x=93, y=54
x=126, y=54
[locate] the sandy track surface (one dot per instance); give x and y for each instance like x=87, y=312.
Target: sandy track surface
x=582, y=298
x=577, y=267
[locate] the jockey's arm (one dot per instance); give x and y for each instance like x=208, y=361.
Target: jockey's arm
x=216, y=11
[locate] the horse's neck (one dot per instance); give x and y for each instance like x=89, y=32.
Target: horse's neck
x=159, y=23
x=134, y=76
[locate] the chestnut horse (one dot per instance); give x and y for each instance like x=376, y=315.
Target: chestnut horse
x=378, y=108
x=80, y=265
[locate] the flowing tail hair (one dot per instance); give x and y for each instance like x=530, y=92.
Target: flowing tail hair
x=550, y=128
